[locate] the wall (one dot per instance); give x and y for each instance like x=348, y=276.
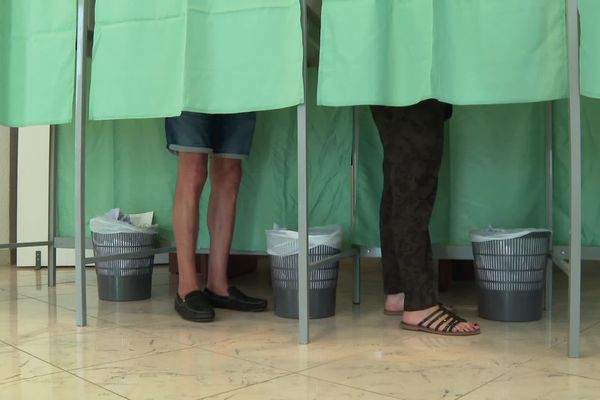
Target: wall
x=32, y=191
x=4, y=192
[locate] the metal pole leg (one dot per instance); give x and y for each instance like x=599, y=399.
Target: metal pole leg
x=575, y=133
x=355, y=171
x=303, y=300
x=356, y=289
x=549, y=199
x=52, y=211
x=80, y=131
x=549, y=276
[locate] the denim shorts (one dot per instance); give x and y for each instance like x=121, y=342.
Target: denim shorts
x=223, y=135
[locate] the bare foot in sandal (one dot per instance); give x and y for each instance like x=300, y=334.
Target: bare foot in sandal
x=439, y=320
x=394, y=305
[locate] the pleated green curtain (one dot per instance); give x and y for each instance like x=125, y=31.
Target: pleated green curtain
x=37, y=61
x=590, y=47
x=129, y=167
x=493, y=173
x=398, y=52
x=590, y=171
x=156, y=58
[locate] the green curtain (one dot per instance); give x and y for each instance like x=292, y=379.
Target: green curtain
x=398, y=52
x=590, y=171
x=37, y=61
x=590, y=48
x=155, y=58
x=481, y=51
x=128, y=166
x=493, y=173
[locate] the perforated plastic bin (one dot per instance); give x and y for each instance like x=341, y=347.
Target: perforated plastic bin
x=510, y=271
x=322, y=280
x=125, y=279
x=322, y=284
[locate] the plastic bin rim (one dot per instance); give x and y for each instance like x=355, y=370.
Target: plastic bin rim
x=487, y=235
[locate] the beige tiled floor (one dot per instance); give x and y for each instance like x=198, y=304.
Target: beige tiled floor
x=143, y=350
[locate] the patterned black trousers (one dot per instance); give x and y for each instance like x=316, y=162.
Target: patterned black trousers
x=413, y=143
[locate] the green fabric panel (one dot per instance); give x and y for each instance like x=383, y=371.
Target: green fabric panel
x=590, y=172
x=398, y=52
x=154, y=58
x=370, y=185
x=497, y=168
x=590, y=47
x=128, y=166
x=493, y=173
x=37, y=61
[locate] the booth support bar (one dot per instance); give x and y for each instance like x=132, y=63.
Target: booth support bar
x=575, y=135
x=81, y=100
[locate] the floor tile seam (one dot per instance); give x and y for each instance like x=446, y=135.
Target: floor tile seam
x=507, y=370
x=385, y=395
x=202, y=345
x=29, y=296
x=45, y=284
x=30, y=378
x=63, y=370
x=108, y=321
x=594, y=325
x=261, y=364
x=559, y=342
x=40, y=300
x=72, y=310
x=595, y=379
x=247, y=386
x=161, y=336
x=53, y=335
x=284, y=374
x=108, y=363
x=13, y=299
x=97, y=385
x=333, y=361
x=124, y=324
x=126, y=359
x=142, y=330
x=484, y=384
x=16, y=347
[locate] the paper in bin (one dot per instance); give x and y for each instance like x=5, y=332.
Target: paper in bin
x=115, y=221
x=143, y=220
x=283, y=242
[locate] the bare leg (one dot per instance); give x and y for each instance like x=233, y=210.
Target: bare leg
x=394, y=302
x=190, y=183
x=225, y=175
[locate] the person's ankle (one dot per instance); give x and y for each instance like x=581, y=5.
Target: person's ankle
x=183, y=292
x=415, y=316
x=395, y=296
x=394, y=302
x=218, y=289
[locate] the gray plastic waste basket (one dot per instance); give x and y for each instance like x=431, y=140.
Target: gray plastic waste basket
x=510, y=270
x=125, y=279
x=322, y=282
